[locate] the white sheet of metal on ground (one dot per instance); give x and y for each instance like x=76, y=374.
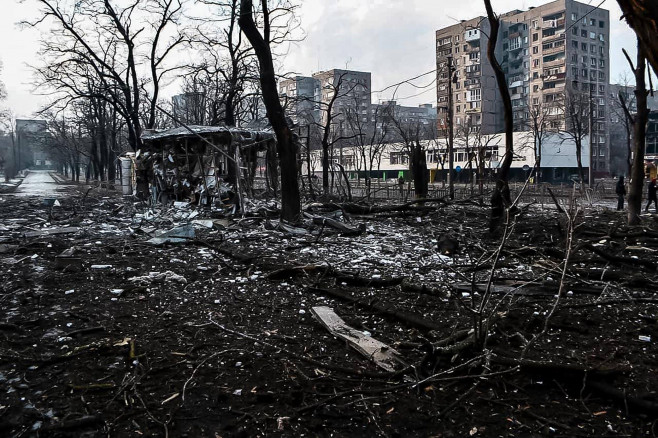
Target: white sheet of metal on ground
x=51, y=231
x=384, y=356
x=181, y=234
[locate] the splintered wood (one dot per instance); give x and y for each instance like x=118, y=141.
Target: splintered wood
x=384, y=356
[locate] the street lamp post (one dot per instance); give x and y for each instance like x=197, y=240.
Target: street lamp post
x=451, y=134
x=591, y=138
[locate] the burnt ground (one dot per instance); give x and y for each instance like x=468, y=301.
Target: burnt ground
x=214, y=336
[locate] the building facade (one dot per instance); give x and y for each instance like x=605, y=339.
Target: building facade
x=298, y=98
x=353, y=99
x=558, y=150
x=31, y=150
x=307, y=99
x=552, y=55
x=190, y=108
x=388, y=117
x=621, y=129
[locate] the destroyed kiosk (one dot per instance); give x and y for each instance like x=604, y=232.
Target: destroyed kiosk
x=198, y=164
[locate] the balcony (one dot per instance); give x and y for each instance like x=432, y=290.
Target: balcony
x=554, y=63
x=516, y=47
x=554, y=37
x=472, y=35
x=553, y=24
x=553, y=50
x=547, y=76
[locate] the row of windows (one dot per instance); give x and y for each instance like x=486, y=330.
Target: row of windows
x=593, y=62
x=516, y=44
x=585, y=20
x=585, y=34
x=576, y=73
x=447, y=40
x=585, y=46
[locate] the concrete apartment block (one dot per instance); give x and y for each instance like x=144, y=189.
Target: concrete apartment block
x=547, y=52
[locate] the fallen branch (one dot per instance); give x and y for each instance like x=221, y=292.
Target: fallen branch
x=619, y=260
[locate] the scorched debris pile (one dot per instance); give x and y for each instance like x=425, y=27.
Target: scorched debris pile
x=200, y=164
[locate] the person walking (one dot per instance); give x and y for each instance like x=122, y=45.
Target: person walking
x=620, y=190
x=652, y=195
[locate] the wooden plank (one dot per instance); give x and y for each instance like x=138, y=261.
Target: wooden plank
x=384, y=356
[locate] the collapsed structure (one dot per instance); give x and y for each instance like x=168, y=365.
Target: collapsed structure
x=198, y=164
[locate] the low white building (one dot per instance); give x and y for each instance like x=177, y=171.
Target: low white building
x=391, y=160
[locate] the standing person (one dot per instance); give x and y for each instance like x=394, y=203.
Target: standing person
x=620, y=190
x=652, y=195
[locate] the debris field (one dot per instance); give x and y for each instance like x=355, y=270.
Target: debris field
x=117, y=319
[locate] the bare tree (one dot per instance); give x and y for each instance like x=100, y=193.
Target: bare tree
x=162, y=14
x=501, y=195
x=622, y=106
x=287, y=149
x=412, y=133
x=468, y=134
x=639, y=135
x=99, y=41
x=369, y=140
x=487, y=150
x=642, y=16
x=539, y=115
x=67, y=142
x=6, y=125
x=479, y=150
x=334, y=119
x=576, y=107
x=227, y=72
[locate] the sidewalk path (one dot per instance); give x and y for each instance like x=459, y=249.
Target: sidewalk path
x=38, y=183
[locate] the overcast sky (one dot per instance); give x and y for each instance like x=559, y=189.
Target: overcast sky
x=393, y=39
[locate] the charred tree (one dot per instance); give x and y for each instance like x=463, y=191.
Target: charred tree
x=639, y=133
x=501, y=195
x=642, y=16
x=290, y=199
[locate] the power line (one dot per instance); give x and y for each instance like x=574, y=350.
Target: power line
x=584, y=16
x=406, y=81
x=417, y=94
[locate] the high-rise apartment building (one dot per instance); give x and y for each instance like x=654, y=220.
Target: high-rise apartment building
x=388, y=115
x=549, y=54
x=298, y=98
x=307, y=99
x=190, y=108
x=354, y=98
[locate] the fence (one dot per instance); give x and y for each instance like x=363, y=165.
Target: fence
x=392, y=191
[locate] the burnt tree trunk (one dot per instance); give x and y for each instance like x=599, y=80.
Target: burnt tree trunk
x=639, y=131
x=642, y=16
x=419, y=170
x=290, y=202
x=501, y=195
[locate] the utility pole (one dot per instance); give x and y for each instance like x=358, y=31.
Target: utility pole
x=451, y=134
x=18, y=142
x=591, y=138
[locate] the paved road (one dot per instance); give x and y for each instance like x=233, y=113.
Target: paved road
x=38, y=183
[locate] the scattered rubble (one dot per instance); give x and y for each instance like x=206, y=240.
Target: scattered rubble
x=213, y=331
